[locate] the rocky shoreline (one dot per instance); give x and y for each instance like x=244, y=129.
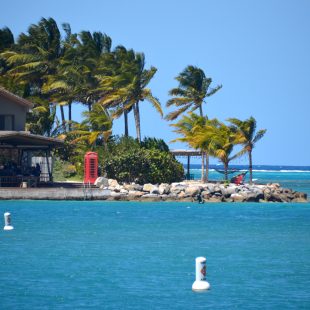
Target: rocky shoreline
x=191, y=190
x=187, y=191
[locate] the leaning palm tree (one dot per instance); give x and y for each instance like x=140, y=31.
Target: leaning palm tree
x=91, y=50
x=114, y=75
x=221, y=140
x=133, y=79
x=188, y=127
x=247, y=136
x=194, y=88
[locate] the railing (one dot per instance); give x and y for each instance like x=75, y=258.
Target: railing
x=18, y=180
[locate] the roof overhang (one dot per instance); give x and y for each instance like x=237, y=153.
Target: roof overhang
x=25, y=140
x=185, y=152
x=15, y=98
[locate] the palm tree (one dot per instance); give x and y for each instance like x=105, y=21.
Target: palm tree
x=114, y=76
x=37, y=53
x=91, y=50
x=194, y=88
x=138, y=91
x=64, y=87
x=221, y=140
x=35, y=57
x=6, y=39
x=247, y=137
x=188, y=127
x=133, y=80
x=96, y=127
x=43, y=117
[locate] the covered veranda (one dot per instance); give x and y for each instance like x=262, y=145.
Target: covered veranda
x=25, y=159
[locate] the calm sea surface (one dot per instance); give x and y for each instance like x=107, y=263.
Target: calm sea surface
x=126, y=255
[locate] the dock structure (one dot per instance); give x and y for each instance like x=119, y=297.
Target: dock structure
x=188, y=154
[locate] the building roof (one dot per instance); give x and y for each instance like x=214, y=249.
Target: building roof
x=19, y=100
x=25, y=140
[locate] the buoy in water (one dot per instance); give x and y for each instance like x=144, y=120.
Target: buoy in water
x=201, y=270
x=7, y=221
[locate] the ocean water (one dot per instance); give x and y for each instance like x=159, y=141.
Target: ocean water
x=128, y=255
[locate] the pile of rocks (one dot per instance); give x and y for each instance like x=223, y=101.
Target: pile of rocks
x=209, y=192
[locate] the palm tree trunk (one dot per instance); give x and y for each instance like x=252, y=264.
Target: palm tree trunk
x=200, y=110
x=137, y=120
x=207, y=167
x=250, y=166
x=226, y=171
x=63, y=120
x=202, y=166
x=70, y=115
x=126, y=122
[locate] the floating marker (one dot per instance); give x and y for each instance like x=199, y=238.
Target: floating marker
x=7, y=221
x=201, y=284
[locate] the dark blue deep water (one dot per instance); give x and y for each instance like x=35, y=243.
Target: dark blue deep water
x=126, y=255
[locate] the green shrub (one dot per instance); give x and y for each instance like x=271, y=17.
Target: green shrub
x=69, y=170
x=63, y=170
x=130, y=162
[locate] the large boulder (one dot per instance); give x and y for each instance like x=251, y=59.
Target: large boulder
x=102, y=182
x=177, y=188
x=300, y=197
x=237, y=197
x=277, y=196
x=182, y=195
x=205, y=194
x=135, y=194
x=148, y=187
x=154, y=190
x=209, y=187
x=192, y=191
x=252, y=196
x=133, y=187
x=267, y=193
x=164, y=188
x=113, y=183
x=116, y=188
x=227, y=191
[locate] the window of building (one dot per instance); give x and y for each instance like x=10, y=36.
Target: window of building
x=6, y=122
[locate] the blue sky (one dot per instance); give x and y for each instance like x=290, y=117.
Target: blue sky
x=258, y=50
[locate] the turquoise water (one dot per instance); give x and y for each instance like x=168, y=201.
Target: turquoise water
x=127, y=255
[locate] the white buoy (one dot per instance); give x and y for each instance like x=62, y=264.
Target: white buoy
x=7, y=221
x=201, y=270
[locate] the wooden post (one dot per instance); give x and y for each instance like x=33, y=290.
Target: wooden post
x=47, y=153
x=188, y=165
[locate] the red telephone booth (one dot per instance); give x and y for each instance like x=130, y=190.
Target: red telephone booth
x=90, y=167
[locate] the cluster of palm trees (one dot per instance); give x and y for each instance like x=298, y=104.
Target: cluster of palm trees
x=210, y=136
x=54, y=71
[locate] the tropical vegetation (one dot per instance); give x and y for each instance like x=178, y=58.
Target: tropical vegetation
x=129, y=161
x=55, y=68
